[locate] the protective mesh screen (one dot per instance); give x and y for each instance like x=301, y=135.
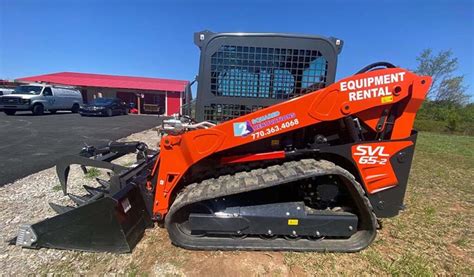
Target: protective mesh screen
x=260, y=72
x=224, y=112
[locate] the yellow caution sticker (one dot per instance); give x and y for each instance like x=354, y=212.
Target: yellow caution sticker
x=387, y=99
x=275, y=142
x=292, y=222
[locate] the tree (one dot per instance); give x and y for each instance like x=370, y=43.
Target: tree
x=452, y=90
x=441, y=67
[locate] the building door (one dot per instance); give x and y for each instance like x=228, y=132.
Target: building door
x=84, y=95
x=154, y=103
x=127, y=97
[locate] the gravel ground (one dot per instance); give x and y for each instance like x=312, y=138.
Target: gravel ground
x=26, y=201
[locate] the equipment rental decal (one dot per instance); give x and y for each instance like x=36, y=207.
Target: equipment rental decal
x=359, y=89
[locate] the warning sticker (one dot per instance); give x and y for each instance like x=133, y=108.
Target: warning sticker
x=126, y=205
x=292, y=222
x=386, y=99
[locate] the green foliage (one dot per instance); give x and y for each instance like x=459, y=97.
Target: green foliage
x=92, y=173
x=445, y=117
x=445, y=86
x=57, y=188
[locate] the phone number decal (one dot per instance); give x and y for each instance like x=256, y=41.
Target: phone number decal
x=275, y=129
x=265, y=125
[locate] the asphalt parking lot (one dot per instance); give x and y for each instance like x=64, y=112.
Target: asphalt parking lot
x=32, y=143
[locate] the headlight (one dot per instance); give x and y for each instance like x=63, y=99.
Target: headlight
x=25, y=101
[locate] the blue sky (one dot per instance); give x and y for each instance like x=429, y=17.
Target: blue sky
x=155, y=38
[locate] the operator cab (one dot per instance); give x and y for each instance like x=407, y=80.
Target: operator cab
x=243, y=72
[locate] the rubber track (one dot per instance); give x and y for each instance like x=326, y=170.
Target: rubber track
x=263, y=178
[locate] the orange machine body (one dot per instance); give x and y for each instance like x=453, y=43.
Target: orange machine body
x=364, y=96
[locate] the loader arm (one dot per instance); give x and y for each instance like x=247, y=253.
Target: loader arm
x=366, y=95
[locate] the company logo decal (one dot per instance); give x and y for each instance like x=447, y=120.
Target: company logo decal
x=265, y=125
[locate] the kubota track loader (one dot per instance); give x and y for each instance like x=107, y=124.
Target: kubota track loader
x=312, y=173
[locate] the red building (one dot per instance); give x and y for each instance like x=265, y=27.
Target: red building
x=152, y=95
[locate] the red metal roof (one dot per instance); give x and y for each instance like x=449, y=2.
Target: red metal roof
x=108, y=81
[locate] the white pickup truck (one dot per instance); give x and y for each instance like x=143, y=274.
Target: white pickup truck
x=41, y=97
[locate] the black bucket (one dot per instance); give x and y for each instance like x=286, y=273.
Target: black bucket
x=110, y=224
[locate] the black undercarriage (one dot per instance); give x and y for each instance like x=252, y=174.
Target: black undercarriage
x=299, y=205
x=309, y=208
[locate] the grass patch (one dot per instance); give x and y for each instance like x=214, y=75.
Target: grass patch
x=407, y=265
x=411, y=265
x=429, y=214
x=57, y=188
x=462, y=241
x=92, y=173
x=446, y=145
x=133, y=270
x=128, y=164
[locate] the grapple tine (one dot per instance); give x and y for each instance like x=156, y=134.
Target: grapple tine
x=79, y=200
x=62, y=168
x=60, y=209
x=103, y=183
x=94, y=191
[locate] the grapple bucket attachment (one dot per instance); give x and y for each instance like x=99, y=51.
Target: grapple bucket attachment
x=107, y=224
x=110, y=218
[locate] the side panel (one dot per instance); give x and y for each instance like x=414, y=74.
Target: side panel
x=373, y=161
x=383, y=169
x=389, y=202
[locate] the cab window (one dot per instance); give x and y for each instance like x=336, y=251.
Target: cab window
x=47, y=92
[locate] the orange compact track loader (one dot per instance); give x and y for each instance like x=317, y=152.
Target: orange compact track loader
x=312, y=173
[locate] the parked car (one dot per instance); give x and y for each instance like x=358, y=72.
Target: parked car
x=105, y=107
x=5, y=91
x=41, y=97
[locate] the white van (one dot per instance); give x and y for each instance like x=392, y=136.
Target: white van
x=41, y=97
x=5, y=91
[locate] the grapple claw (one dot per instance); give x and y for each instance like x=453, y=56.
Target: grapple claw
x=79, y=200
x=110, y=218
x=60, y=209
x=100, y=225
x=95, y=191
x=103, y=183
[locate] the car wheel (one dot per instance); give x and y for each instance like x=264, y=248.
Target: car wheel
x=109, y=112
x=38, y=109
x=53, y=111
x=75, y=108
x=9, y=112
